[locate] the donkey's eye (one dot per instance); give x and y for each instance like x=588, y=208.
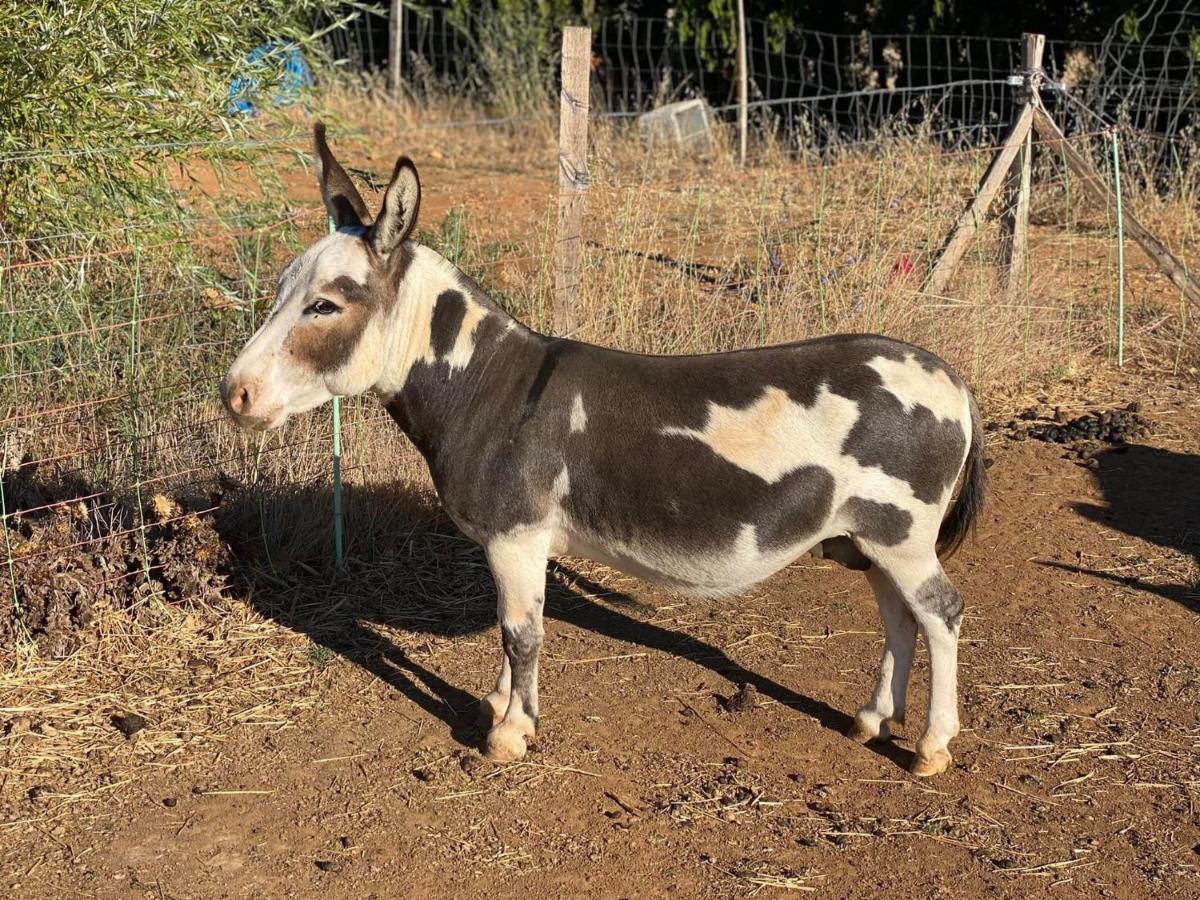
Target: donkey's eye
x=323, y=307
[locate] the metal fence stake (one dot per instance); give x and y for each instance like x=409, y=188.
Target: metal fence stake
x=1116, y=158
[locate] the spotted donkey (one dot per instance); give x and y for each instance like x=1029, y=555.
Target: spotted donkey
x=703, y=473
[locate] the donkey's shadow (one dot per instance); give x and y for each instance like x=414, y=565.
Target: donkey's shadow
x=427, y=579
x=1149, y=493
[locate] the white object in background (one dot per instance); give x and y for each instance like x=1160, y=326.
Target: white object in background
x=687, y=124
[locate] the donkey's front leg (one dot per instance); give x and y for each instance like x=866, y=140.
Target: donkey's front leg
x=518, y=564
x=493, y=706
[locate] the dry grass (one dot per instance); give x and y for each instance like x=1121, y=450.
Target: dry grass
x=193, y=673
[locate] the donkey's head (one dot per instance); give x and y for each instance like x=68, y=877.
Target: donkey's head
x=331, y=330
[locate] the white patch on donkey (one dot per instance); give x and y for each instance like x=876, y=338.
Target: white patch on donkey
x=578, y=415
x=774, y=436
x=460, y=354
x=914, y=385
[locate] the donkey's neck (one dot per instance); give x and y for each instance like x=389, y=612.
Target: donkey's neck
x=456, y=357
x=434, y=316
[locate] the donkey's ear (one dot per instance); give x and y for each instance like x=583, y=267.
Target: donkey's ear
x=400, y=206
x=342, y=200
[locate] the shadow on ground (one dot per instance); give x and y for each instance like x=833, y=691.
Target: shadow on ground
x=423, y=577
x=1151, y=494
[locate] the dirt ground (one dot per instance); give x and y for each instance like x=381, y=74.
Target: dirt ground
x=696, y=746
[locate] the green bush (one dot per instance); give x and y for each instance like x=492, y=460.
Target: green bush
x=516, y=46
x=95, y=95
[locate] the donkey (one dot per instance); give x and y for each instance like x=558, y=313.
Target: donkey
x=704, y=473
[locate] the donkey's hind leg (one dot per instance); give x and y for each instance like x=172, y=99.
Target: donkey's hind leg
x=935, y=604
x=887, y=703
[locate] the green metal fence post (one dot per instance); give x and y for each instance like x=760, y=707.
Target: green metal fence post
x=1116, y=156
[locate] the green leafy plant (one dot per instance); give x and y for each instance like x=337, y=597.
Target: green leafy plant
x=516, y=45
x=96, y=95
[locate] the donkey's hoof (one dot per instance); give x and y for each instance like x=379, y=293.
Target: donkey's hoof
x=864, y=731
x=507, y=743
x=935, y=764
x=863, y=734
x=491, y=709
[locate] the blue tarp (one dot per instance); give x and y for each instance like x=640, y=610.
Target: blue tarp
x=295, y=78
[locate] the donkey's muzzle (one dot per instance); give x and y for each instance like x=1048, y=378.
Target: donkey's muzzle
x=238, y=397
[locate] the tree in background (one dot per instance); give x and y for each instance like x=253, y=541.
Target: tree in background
x=95, y=94
x=516, y=46
x=1083, y=20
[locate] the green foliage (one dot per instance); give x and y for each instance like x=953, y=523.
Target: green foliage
x=707, y=23
x=96, y=94
x=1129, y=27
x=320, y=656
x=516, y=46
x=1064, y=19
x=712, y=24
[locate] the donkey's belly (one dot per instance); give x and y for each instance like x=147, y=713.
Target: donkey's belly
x=718, y=571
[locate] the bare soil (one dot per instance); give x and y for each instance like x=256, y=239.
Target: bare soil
x=690, y=746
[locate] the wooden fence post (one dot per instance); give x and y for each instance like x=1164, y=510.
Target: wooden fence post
x=1001, y=173
x=1015, y=250
x=743, y=82
x=395, y=46
x=972, y=217
x=572, y=173
x=1014, y=245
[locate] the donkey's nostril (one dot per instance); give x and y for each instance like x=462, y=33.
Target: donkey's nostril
x=237, y=397
x=240, y=401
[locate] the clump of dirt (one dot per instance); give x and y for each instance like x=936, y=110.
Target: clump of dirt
x=69, y=559
x=1084, y=435
x=745, y=700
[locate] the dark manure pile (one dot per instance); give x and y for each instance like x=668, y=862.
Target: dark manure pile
x=68, y=559
x=1082, y=436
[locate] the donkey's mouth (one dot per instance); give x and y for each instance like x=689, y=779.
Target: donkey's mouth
x=239, y=398
x=256, y=421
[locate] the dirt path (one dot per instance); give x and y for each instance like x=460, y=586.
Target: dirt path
x=1078, y=769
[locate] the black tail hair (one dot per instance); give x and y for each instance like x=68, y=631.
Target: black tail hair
x=969, y=502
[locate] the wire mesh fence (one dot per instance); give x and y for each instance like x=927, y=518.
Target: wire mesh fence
x=115, y=449
x=822, y=87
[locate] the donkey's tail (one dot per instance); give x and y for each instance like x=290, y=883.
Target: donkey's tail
x=967, y=505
